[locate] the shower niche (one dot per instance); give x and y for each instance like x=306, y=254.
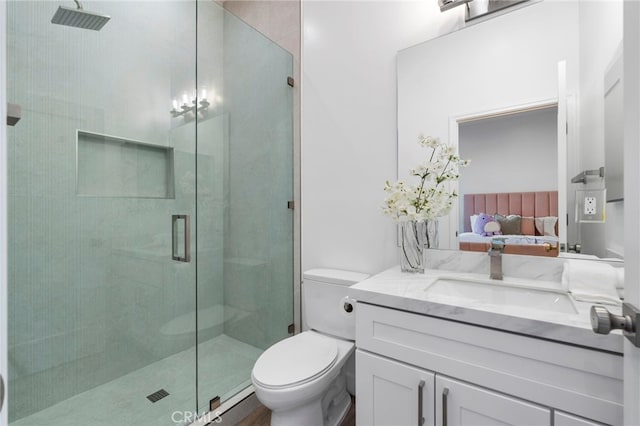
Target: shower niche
x=110, y=166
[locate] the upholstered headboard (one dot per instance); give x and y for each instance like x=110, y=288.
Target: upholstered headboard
x=529, y=204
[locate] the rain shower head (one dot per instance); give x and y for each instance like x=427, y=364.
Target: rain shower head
x=79, y=18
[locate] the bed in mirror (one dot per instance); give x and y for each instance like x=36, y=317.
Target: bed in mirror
x=533, y=99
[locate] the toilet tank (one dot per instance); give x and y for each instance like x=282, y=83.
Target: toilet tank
x=323, y=295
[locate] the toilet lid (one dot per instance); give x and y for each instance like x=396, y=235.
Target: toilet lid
x=295, y=360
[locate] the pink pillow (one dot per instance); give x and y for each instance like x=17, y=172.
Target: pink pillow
x=528, y=226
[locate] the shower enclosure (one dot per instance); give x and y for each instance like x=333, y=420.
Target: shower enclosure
x=150, y=240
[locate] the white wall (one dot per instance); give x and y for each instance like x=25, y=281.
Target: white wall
x=600, y=36
x=349, y=124
x=510, y=154
x=632, y=195
x=349, y=109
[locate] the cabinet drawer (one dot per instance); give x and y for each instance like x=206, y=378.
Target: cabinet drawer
x=467, y=405
x=578, y=380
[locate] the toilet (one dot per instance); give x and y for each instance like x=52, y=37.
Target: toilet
x=307, y=379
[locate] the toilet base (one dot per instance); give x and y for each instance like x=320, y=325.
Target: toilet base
x=330, y=410
x=339, y=410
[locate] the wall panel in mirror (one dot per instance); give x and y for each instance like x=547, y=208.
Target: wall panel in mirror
x=613, y=131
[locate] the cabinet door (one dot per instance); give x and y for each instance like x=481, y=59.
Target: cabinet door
x=564, y=419
x=390, y=393
x=460, y=404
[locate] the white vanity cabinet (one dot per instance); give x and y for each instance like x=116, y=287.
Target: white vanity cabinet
x=564, y=419
x=461, y=404
x=399, y=394
x=490, y=376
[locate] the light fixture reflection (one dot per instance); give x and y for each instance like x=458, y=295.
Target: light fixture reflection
x=195, y=105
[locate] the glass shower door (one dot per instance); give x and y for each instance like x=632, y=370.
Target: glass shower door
x=245, y=181
x=102, y=180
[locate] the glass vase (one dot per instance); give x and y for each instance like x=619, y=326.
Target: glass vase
x=415, y=237
x=412, y=236
x=431, y=234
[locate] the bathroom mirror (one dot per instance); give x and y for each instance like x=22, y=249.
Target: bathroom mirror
x=533, y=99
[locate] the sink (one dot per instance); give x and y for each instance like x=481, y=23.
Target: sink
x=502, y=293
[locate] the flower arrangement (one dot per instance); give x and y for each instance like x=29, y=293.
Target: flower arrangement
x=429, y=198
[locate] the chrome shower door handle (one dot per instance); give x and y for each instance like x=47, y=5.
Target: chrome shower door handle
x=176, y=254
x=1, y=392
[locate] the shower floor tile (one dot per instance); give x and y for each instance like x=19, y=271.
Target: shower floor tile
x=224, y=369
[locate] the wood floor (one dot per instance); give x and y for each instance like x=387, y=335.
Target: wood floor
x=261, y=416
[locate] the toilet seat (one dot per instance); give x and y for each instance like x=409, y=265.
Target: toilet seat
x=295, y=361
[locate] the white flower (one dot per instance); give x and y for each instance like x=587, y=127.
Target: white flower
x=428, y=141
x=428, y=199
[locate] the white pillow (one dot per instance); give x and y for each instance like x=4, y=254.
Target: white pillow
x=546, y=226
x=472, y=219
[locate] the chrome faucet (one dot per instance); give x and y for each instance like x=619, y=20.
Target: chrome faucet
x=495, y=255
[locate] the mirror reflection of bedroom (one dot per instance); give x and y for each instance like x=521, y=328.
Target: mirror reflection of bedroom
x=537, y=109
x=512, y=182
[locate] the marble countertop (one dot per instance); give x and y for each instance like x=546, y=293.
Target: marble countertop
x=407, y=292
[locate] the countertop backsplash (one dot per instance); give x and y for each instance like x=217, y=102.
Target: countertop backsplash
x=531, y=267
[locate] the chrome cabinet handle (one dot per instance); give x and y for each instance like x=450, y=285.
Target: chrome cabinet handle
x=174, y=238
x=445, y=395
x=420, y=401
